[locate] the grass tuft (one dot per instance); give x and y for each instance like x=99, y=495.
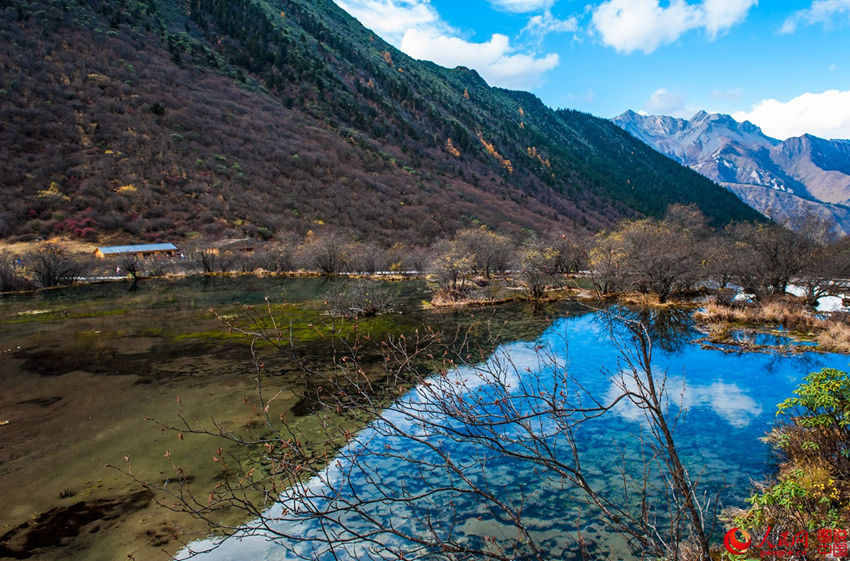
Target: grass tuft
x=831, y=334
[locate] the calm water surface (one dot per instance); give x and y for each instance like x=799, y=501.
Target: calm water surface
x=80, y=367
x=729, y=401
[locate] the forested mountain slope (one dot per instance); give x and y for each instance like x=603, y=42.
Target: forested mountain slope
x=162, y=119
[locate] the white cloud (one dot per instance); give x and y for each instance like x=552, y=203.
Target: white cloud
x=545, y=23
x=630, y=25
x=719, y=15
x=644, y=25
x=521, y=6
x=822, y=11
x=825, y=114
x=728, y=401
x=665, y=102
x=392, y=18
x=415, y=27
x=495, y=60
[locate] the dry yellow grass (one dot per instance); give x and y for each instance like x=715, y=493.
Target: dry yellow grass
x=713, y=313
x=835, y=337
x=441, y=300
x=831, y=335
x=790, y=315
x=644, y=300
x=785, y=313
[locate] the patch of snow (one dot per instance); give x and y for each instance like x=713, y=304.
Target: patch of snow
x=743, y=297
x=832, y=304
x=825, y=303
x=795, y=290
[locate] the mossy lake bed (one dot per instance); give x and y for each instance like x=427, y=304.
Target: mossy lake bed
x=82, y=367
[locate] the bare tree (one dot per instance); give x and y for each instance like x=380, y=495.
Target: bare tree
x=825, y=273
x=569, y=251
x=490, y=252
x=662, y=258
x=211, y=259
x=408, y=258
x=471, y=409
x=367, y=258
x=274, y=257
x=54, y=266
x=772, y=256
x=659, y=256
x=607, y=261
x=722, y=258
x=688, y=218
x=328, y=252
x=204, y=258
x=536, y=263
x=132, y=264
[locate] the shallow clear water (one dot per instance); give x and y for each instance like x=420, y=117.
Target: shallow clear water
x=81, y=366
x=728, y=399
x=773, y=339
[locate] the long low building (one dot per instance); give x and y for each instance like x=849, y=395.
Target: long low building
x=143, y=250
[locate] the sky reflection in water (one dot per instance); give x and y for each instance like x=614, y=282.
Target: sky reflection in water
x=729, y=400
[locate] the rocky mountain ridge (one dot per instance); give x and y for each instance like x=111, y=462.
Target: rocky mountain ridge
x=782, y=179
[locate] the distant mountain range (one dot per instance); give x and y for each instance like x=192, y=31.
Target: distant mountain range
x=155, y=120
x=782, y=179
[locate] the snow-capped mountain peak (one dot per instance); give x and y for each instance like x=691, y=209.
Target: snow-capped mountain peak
x=779, y=178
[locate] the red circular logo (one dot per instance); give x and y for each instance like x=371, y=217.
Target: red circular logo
x=732, y=544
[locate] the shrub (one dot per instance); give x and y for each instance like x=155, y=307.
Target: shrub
x=329, y=252
x=812, y=490
x=53, y=266
x=363, y=298
x=451, y=267
x=11, y=278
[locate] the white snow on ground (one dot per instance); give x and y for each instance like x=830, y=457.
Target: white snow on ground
x=795, y=290
x=832, y=304
x=743, y=297
x=825, y=303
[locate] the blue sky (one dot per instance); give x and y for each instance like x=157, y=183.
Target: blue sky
x=783, y=65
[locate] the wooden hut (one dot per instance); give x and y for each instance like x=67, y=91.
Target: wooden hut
x=243, y=245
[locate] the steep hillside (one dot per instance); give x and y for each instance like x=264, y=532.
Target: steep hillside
x=159, y=119
x=784, y=179
x=822, y=166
